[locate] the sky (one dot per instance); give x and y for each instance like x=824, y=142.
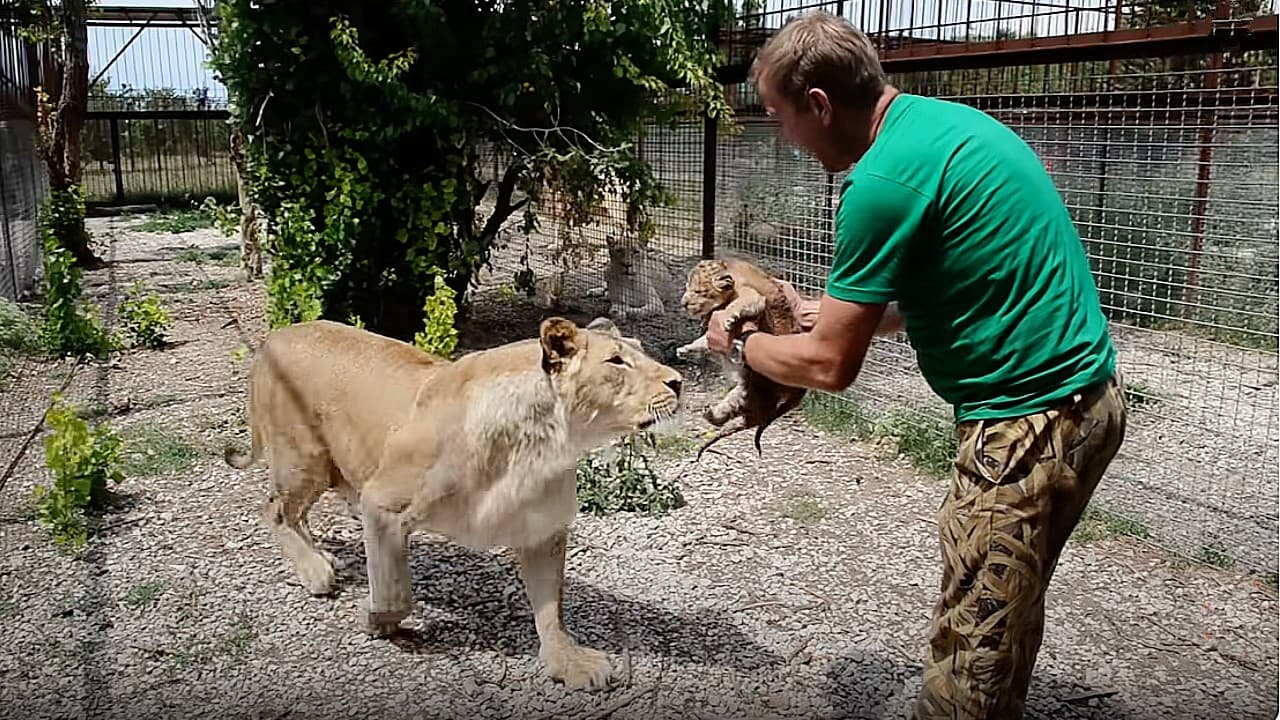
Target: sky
x=176, y=58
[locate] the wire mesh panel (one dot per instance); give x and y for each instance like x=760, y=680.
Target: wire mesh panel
x=157, y=127
x=1169, y=168
x=22, y=187
x=602, y=268
x=154, y=156
x=22, y=179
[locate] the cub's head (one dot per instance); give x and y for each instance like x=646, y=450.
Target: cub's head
x=611, y=386
x=710, y=287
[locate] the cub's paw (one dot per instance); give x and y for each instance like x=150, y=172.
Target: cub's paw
x=576, y=666
x=716, y=415
x=379, y=624
x=690, y=352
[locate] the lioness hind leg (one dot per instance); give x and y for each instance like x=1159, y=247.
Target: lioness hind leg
x=295, y=487
x=542, y=568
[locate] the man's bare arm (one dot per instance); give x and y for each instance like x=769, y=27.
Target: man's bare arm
x=829, y=357
x=806, y=311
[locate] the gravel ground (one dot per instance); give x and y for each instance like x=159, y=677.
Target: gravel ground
x=794, y=587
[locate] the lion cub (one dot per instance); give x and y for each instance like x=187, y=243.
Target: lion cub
x=746, y=292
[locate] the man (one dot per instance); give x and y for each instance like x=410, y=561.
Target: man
x=951, y=215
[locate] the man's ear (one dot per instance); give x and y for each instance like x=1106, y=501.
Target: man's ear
x=820, y=104
x=604, y=325
x=559, y=343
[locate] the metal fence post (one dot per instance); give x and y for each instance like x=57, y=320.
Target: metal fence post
x=115, y=159
x=709, y=142
x=8, y=239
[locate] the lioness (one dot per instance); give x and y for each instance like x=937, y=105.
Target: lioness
x=481, y=450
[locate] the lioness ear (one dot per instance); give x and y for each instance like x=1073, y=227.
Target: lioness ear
x=724, y=282
x=605, y=325
x=559, y=342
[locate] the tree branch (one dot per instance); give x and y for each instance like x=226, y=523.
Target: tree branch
x=503, y=208
x=568, y=135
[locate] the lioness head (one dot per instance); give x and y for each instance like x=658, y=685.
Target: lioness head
x=710, y=287
x=610, y=384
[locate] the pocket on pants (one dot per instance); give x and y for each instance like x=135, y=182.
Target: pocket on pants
x=1006, y=451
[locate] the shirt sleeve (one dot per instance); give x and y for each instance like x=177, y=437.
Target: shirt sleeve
x=876, y=224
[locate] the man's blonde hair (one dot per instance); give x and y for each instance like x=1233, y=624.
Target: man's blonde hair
x=820, y=50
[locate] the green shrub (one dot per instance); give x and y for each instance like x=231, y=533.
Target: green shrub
x=362, y=206
x=439, y=336
x=82, y=460
x=620, y=479
x=71, y=324
x=144, y=317
x=18, y=332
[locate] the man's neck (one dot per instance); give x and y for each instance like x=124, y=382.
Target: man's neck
x=882, y=108
x=865, y=129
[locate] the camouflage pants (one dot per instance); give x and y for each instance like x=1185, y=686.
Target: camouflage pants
x=1020, y=487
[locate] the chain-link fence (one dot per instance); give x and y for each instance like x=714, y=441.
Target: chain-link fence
x=1168, y=163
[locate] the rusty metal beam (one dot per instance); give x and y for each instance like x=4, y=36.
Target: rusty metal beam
x=126, y=16
x=1184, y=38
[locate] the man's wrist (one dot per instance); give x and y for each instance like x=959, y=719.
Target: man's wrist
x=738, y=350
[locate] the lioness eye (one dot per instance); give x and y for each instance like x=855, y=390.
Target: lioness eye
x=617, y=360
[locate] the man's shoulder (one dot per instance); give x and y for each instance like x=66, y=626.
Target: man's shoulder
x=873, y=189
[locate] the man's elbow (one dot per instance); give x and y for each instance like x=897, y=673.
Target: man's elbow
x=835, y=376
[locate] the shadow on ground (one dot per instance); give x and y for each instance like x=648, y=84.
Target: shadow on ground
x=867, y=686
x=476, y=600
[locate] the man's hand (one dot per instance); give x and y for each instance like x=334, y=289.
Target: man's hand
x=805, y=311
x=718, y=339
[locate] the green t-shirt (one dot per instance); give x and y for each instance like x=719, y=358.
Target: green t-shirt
x=951, y=214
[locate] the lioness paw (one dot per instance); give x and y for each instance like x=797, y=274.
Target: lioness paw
x=316, y=574
x=577, y=667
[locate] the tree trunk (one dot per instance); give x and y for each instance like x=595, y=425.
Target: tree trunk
x=68, y=93
x=250, y=249
x=74, y=102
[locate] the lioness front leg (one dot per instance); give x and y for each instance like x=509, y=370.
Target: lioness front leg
x=542, y=569
x=402, y=490
x=386, y=549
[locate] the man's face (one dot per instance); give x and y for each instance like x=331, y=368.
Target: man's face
x=808, y=125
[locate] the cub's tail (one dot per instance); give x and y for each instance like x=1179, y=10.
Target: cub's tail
x=791, y=402
x=732, y=430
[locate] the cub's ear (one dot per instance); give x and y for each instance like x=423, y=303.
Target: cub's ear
x=604, y=325
x=724, y=282
x=559, y=343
